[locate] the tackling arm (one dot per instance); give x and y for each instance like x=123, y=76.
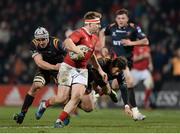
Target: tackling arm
x=98, y=67
x=43, y=64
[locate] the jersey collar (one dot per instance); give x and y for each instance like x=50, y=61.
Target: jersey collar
x=85, y=29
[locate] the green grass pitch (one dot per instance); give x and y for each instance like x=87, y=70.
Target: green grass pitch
x=98, y=121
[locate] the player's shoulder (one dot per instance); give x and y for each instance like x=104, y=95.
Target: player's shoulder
x=55, y=40
x=132, y=25
x=111, y=25
x=79, y=30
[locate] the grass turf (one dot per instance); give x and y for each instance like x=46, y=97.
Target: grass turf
x=98, y=121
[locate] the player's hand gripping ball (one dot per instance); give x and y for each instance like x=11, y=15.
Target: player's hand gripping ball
x=78, y=57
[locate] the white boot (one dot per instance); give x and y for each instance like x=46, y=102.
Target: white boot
x=137, y=116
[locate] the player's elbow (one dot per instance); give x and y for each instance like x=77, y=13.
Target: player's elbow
x=65, y=43
x=146, y=41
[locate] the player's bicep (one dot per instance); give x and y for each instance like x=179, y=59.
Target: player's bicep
x=38, y=58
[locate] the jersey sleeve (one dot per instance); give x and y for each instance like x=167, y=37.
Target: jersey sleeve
x=140, y=33
x=33, y=48
x=76, y=36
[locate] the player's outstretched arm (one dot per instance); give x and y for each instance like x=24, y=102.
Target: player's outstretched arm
x=43, y=64
x=98, y=67
x=127, y=42
x=102, y=37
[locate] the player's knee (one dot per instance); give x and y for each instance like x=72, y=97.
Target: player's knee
x=129, y=81
x=36, y=86
x=130, y=84
x=148, y=83
x=88, y=109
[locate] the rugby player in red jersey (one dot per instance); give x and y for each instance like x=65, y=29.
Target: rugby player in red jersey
x=73, y=73
x=142, y=65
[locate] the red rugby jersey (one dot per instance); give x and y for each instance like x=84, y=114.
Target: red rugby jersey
x=82, y=37
x=144, y=63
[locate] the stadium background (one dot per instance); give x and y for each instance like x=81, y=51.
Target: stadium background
x=18, y=20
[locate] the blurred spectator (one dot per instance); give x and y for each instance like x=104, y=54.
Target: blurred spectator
x=4, y=33
x=174, y=65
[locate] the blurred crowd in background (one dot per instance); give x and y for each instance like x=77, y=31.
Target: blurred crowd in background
x=19, y=18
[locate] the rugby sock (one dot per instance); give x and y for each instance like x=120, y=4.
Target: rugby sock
x=123, y=87
x=147, y=95
x=64, y=115
x=47, y=103
x=124, y=94
x=132, y=99
x=27, y=103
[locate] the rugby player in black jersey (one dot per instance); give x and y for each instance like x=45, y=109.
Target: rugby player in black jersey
x=47, y=53
x=125, y=35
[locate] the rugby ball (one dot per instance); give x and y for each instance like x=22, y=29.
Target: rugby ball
x=75, y=56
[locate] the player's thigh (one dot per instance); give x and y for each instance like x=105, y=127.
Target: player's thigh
x=40, y=77
x=65, y=75
x=114, y=84
x=80, y=76
x=148, y=80
x=77, y=91
x=54, y=77
x=38, y=82
x=137, y=76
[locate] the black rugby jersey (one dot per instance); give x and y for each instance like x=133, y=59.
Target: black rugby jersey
x=53, y=53
x=131, y=32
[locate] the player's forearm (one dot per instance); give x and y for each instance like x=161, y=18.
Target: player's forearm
x=70, y=46
x=45, y=65
x=102, y=38
x=95, y=63
x=140, y=57
x=144, y=41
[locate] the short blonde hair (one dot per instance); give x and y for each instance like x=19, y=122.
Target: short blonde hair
x=92, y=15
